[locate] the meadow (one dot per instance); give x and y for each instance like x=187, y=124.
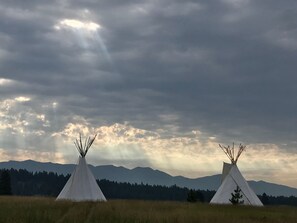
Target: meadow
x=39, y=209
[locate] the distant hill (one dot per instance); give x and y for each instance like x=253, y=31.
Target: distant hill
x=148, y=176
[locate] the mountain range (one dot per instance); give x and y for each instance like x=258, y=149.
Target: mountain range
x=149, y=176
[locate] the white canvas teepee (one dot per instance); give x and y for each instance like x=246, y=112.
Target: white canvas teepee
x=231, y=179
x=82, y=185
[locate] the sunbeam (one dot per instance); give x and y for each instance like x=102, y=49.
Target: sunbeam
x=87, y=34
x=103, y=48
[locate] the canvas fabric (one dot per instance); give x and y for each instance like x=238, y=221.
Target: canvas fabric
x=231, y=180
x=82, y=185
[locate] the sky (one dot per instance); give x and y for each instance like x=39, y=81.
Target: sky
x=162, y=83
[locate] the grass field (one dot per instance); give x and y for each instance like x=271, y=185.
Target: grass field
x=44, y=210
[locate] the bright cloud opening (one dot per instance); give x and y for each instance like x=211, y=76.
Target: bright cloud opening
x=77, y=24
x=55, y=105
x=22, y=99
x=4, y=81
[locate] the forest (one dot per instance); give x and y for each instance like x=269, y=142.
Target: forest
x=24, y=183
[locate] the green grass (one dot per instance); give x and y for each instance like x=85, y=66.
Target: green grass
x=45, y=210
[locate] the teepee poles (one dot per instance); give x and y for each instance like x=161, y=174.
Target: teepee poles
x=231, y=153
x=84, y=147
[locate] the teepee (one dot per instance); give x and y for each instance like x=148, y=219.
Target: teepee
x=82, y=185
x=232, y=178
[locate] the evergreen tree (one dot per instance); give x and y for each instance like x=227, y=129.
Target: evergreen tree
x=265, y=199
x=192, y=196
x=5, y=183
x=236, y=197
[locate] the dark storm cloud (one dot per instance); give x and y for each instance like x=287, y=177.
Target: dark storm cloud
x=224, y=67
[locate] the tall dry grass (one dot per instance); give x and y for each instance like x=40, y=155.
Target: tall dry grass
x=45, y=210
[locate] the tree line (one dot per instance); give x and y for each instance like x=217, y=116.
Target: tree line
x=25, y=183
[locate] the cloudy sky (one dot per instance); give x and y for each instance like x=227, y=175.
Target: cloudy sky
x=162, y=82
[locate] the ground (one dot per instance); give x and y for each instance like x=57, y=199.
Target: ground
x=39, y=209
